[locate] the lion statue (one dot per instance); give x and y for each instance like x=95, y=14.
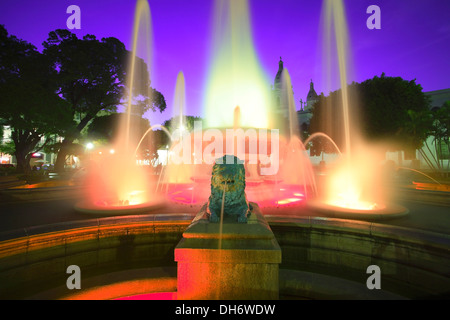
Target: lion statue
x=228, y=174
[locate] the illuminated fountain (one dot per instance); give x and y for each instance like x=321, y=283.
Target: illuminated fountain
x=353, y=187
x=281, y=189
x=239, y=120
x=116, y=184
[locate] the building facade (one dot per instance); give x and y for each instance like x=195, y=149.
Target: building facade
x=305, y=113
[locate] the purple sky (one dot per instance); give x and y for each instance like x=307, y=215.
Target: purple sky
x=413, y=43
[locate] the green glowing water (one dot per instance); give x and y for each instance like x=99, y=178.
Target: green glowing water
x=235, y=75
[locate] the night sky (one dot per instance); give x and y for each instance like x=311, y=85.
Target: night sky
x=413, y=42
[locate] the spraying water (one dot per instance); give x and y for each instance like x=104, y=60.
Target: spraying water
x=179, y=104
x=238, y=97
x=323, y=135
x=420, y=172
x=153, y=127
x=236, y=77
x=118, y=182
x=287, y=99
x=353, y=182
x=335, y=20
x=142, y=35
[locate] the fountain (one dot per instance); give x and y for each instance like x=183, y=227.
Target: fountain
x=116, y=184
x=240, y=122
x=353, y=188
x=284, y=188
x=229, y=250
x=228, y=240
x=179, y=105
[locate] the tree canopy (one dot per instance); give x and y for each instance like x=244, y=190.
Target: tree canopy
x=161, y=137
x=107, y=127
x=29, y=101
x=382, y=109
x=441, y=139
x=188, y=122
x=93, y=76
x=61, y=90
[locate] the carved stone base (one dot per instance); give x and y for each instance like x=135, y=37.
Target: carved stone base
x=228, y=260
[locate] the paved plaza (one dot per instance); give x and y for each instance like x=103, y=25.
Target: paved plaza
x=28, y=208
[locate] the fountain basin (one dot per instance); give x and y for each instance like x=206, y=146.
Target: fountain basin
x=86, y=206
x=228, y=261
x=386, y=211
x=431, y=186
x=323, y=258
x=265, y=193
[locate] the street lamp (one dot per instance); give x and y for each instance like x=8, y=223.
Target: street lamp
x=89, y=147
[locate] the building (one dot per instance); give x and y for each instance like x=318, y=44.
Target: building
x=281, y=108
x=438, y=97
x=434, y=154
x=5, y=138
x=420, y=159
x=283, y=101
x=305, y=113
x=37, y=158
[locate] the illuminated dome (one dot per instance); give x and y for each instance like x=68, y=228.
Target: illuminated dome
x=312, y=95
x=277, y=81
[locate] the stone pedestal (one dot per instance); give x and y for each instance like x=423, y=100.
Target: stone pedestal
x=228, y=261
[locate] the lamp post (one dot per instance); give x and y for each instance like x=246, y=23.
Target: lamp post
x=89, y=147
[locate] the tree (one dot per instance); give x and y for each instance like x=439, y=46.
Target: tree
x=441, y=139
x=105, y=127
x=162, y=139
x=174, y=123
x=442, y=129
x=108, y=128
x=93, y=77
x=441, y=123
x=383, y=109
x=29, y=103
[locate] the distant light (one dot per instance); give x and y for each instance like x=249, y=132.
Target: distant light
x=289, y=200
x=90, y=145
x=112, y=151
x=99, y=152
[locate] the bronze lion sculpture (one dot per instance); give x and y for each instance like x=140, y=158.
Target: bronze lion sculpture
x=228, y=186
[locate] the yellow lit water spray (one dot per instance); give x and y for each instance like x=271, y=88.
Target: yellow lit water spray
x=236, y=77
